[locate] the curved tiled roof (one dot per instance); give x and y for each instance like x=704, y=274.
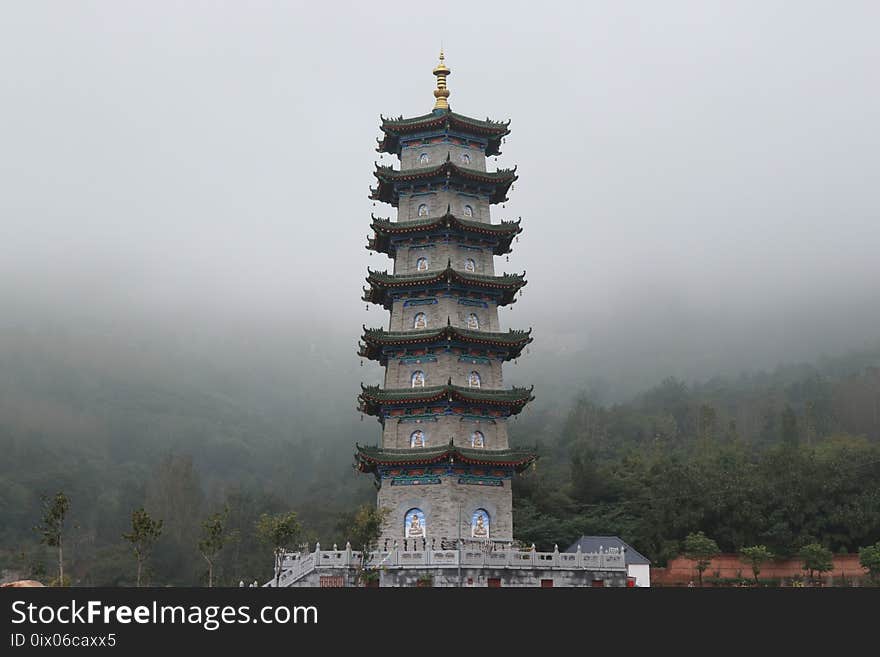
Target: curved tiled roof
x=373, y=398
x=385, y=228
x=442, y=120
x=381, y=282
x=370, y=457
x=389, y=178
x=375, y=339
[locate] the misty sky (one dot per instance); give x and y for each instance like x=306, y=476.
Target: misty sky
x=698, y=180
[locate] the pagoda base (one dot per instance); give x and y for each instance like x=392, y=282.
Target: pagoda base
x=501, y=578
x=466, y=567
x=448, y=503
x=467, y=578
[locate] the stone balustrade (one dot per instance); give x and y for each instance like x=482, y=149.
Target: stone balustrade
x=298, y=564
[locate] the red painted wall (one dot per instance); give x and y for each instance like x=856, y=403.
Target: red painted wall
x=681, y=570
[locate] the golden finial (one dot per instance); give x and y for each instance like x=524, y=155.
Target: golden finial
x=441, y=93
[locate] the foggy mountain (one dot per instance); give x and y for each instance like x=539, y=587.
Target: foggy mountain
x=184, y=209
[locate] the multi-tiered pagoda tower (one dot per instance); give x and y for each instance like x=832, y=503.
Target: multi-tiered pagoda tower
x=443, y=464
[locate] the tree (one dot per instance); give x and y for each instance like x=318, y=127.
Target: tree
x=869, y=559
x=364, y=533
x=700, y=548
x=280, y=531
x=143, y=535
x=708, y=427
x=215, y=535
x=174, y=493
x=51, y=527
x=755, y=556
x=816, y=558
x=244, y=559
x=585, y=478
x=789, y=427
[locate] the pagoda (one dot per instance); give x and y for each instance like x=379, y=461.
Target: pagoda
x=443, y=465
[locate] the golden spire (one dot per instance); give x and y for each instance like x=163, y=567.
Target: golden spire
x=441, y=93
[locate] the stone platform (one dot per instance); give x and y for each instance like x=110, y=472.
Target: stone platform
x=452, y=568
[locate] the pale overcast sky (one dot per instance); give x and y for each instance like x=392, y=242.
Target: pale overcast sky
x=698, y=180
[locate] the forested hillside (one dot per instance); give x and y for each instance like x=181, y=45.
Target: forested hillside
x=119, y=424
x=780, y=458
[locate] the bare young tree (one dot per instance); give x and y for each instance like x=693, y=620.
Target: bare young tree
x=215, y=535
x=51, y=527
x=280, y=531
x=364, y=532
x=143, y=536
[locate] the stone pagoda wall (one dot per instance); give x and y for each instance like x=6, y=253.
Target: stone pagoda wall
x=440, y=502
x=448, y=307
x=397, y=432
x=409, y=156
x=399, y=374
x=439, y=201
x=439, y=255
x=440, y=505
